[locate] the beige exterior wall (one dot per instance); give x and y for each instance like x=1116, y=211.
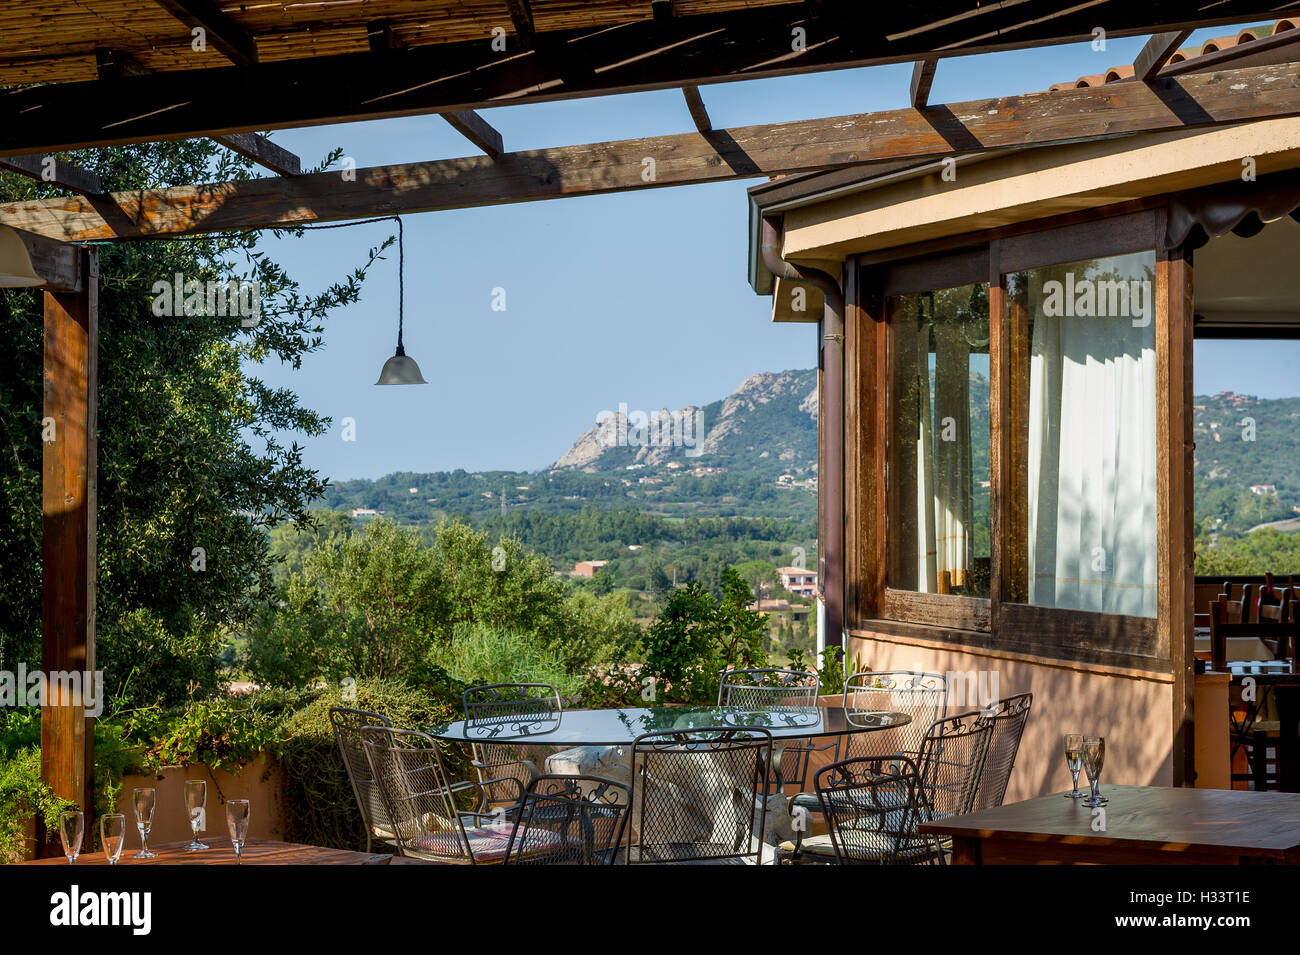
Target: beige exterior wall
x=1133, y=712
x=1033, y=185
x=260, y=782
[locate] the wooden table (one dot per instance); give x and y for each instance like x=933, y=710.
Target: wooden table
x=1145, y=825
x=256, y=852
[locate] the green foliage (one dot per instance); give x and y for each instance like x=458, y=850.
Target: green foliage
x=1263, y=551
x=479, y=654
x=189, y=437
x=22, y=794
x=146, y=660
x=698, y=635
x=376, y=605
x=222, y=732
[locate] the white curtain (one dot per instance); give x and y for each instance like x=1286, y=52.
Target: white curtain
x=926, y=570
x=1092, y=449
x=952, y=453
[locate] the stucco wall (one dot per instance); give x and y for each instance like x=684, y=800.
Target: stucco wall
x=1133, y=713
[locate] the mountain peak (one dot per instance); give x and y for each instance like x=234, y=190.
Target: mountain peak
x=771, y=416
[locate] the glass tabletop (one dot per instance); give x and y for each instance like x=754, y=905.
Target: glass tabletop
x=621, y=727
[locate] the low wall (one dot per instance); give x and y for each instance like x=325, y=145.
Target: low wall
x=1133, y=712
x=261, y=782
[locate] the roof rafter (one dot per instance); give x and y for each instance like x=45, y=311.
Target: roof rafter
x=1157, y=50
x=642, y=55
x=234, y=42
x=55, y=172
x=1033, y=119
x=922, y=80
x=695, y=104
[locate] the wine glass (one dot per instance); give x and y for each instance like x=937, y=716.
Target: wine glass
x=196, y=798
x=237, y=813
x=1094, y=756
x=143, y=800
x=112, y=833
x=72, y=824
x=1074, y=761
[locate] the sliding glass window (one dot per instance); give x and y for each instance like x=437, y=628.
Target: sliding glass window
x=1083, y=393
x=938, y=485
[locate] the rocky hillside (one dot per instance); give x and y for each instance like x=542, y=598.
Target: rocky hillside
x=768, y=424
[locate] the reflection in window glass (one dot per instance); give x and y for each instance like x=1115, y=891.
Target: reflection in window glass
x=1089, y=492
x=939, y=538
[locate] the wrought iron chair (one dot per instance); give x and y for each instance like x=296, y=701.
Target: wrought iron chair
x=872, y=806
x=1008, y=717
x=425, y=809
x=508, y=711
x=698, y=796
x=951, y=763
x=570, y=820
x=776, y=691
x=922, y=696
x=347, y=724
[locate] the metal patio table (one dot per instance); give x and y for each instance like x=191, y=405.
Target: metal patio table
x=620, y=727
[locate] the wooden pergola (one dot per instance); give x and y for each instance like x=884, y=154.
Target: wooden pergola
x=93, y=73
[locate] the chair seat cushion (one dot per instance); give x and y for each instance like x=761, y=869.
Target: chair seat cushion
x=487, y=845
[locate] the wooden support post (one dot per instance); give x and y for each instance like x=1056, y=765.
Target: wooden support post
x=1175, y=444
x=68, y=546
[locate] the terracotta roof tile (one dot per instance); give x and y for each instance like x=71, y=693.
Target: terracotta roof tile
x=1124, y=72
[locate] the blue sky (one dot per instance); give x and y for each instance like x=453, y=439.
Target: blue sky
x=638, y=298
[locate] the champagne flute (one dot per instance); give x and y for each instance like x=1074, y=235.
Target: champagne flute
x=196, y=798
x=1094, y=756
x=112, y=833
x=237, y=813
x=143, y=800
x=1074, y=761
x=72, y=824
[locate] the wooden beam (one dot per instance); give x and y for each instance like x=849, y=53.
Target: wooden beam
x=1158, y=49
x=922, y=80
x=113, y=65
x=1276, y=48
x=235, y=43
x=695, y=103
x=1033, y=119
x=68, y=538
x=477, y=130
x=263, y=152
x=59, y=264
x=381, y=37
x=521, y=15
x=690, y=50
x=55, y=172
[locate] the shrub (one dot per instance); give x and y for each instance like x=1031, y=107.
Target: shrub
x=320, y=808
x=479, y=654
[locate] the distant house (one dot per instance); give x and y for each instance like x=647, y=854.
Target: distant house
x=365, y=512
x=798, y=580
x=588, y=568
x=1263, y=489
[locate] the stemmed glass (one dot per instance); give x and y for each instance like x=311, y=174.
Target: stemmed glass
x=112, y=833
x=1094, y=756
x=196, y=798
x=1074, y=761
x=143, y=800
x=72, y=824
x=237, y=813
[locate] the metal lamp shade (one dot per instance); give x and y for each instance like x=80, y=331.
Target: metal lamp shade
x=401, y=370
x=15, y=264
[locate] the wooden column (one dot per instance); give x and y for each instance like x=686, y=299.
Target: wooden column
x=68, y=546
x=1175, y=445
